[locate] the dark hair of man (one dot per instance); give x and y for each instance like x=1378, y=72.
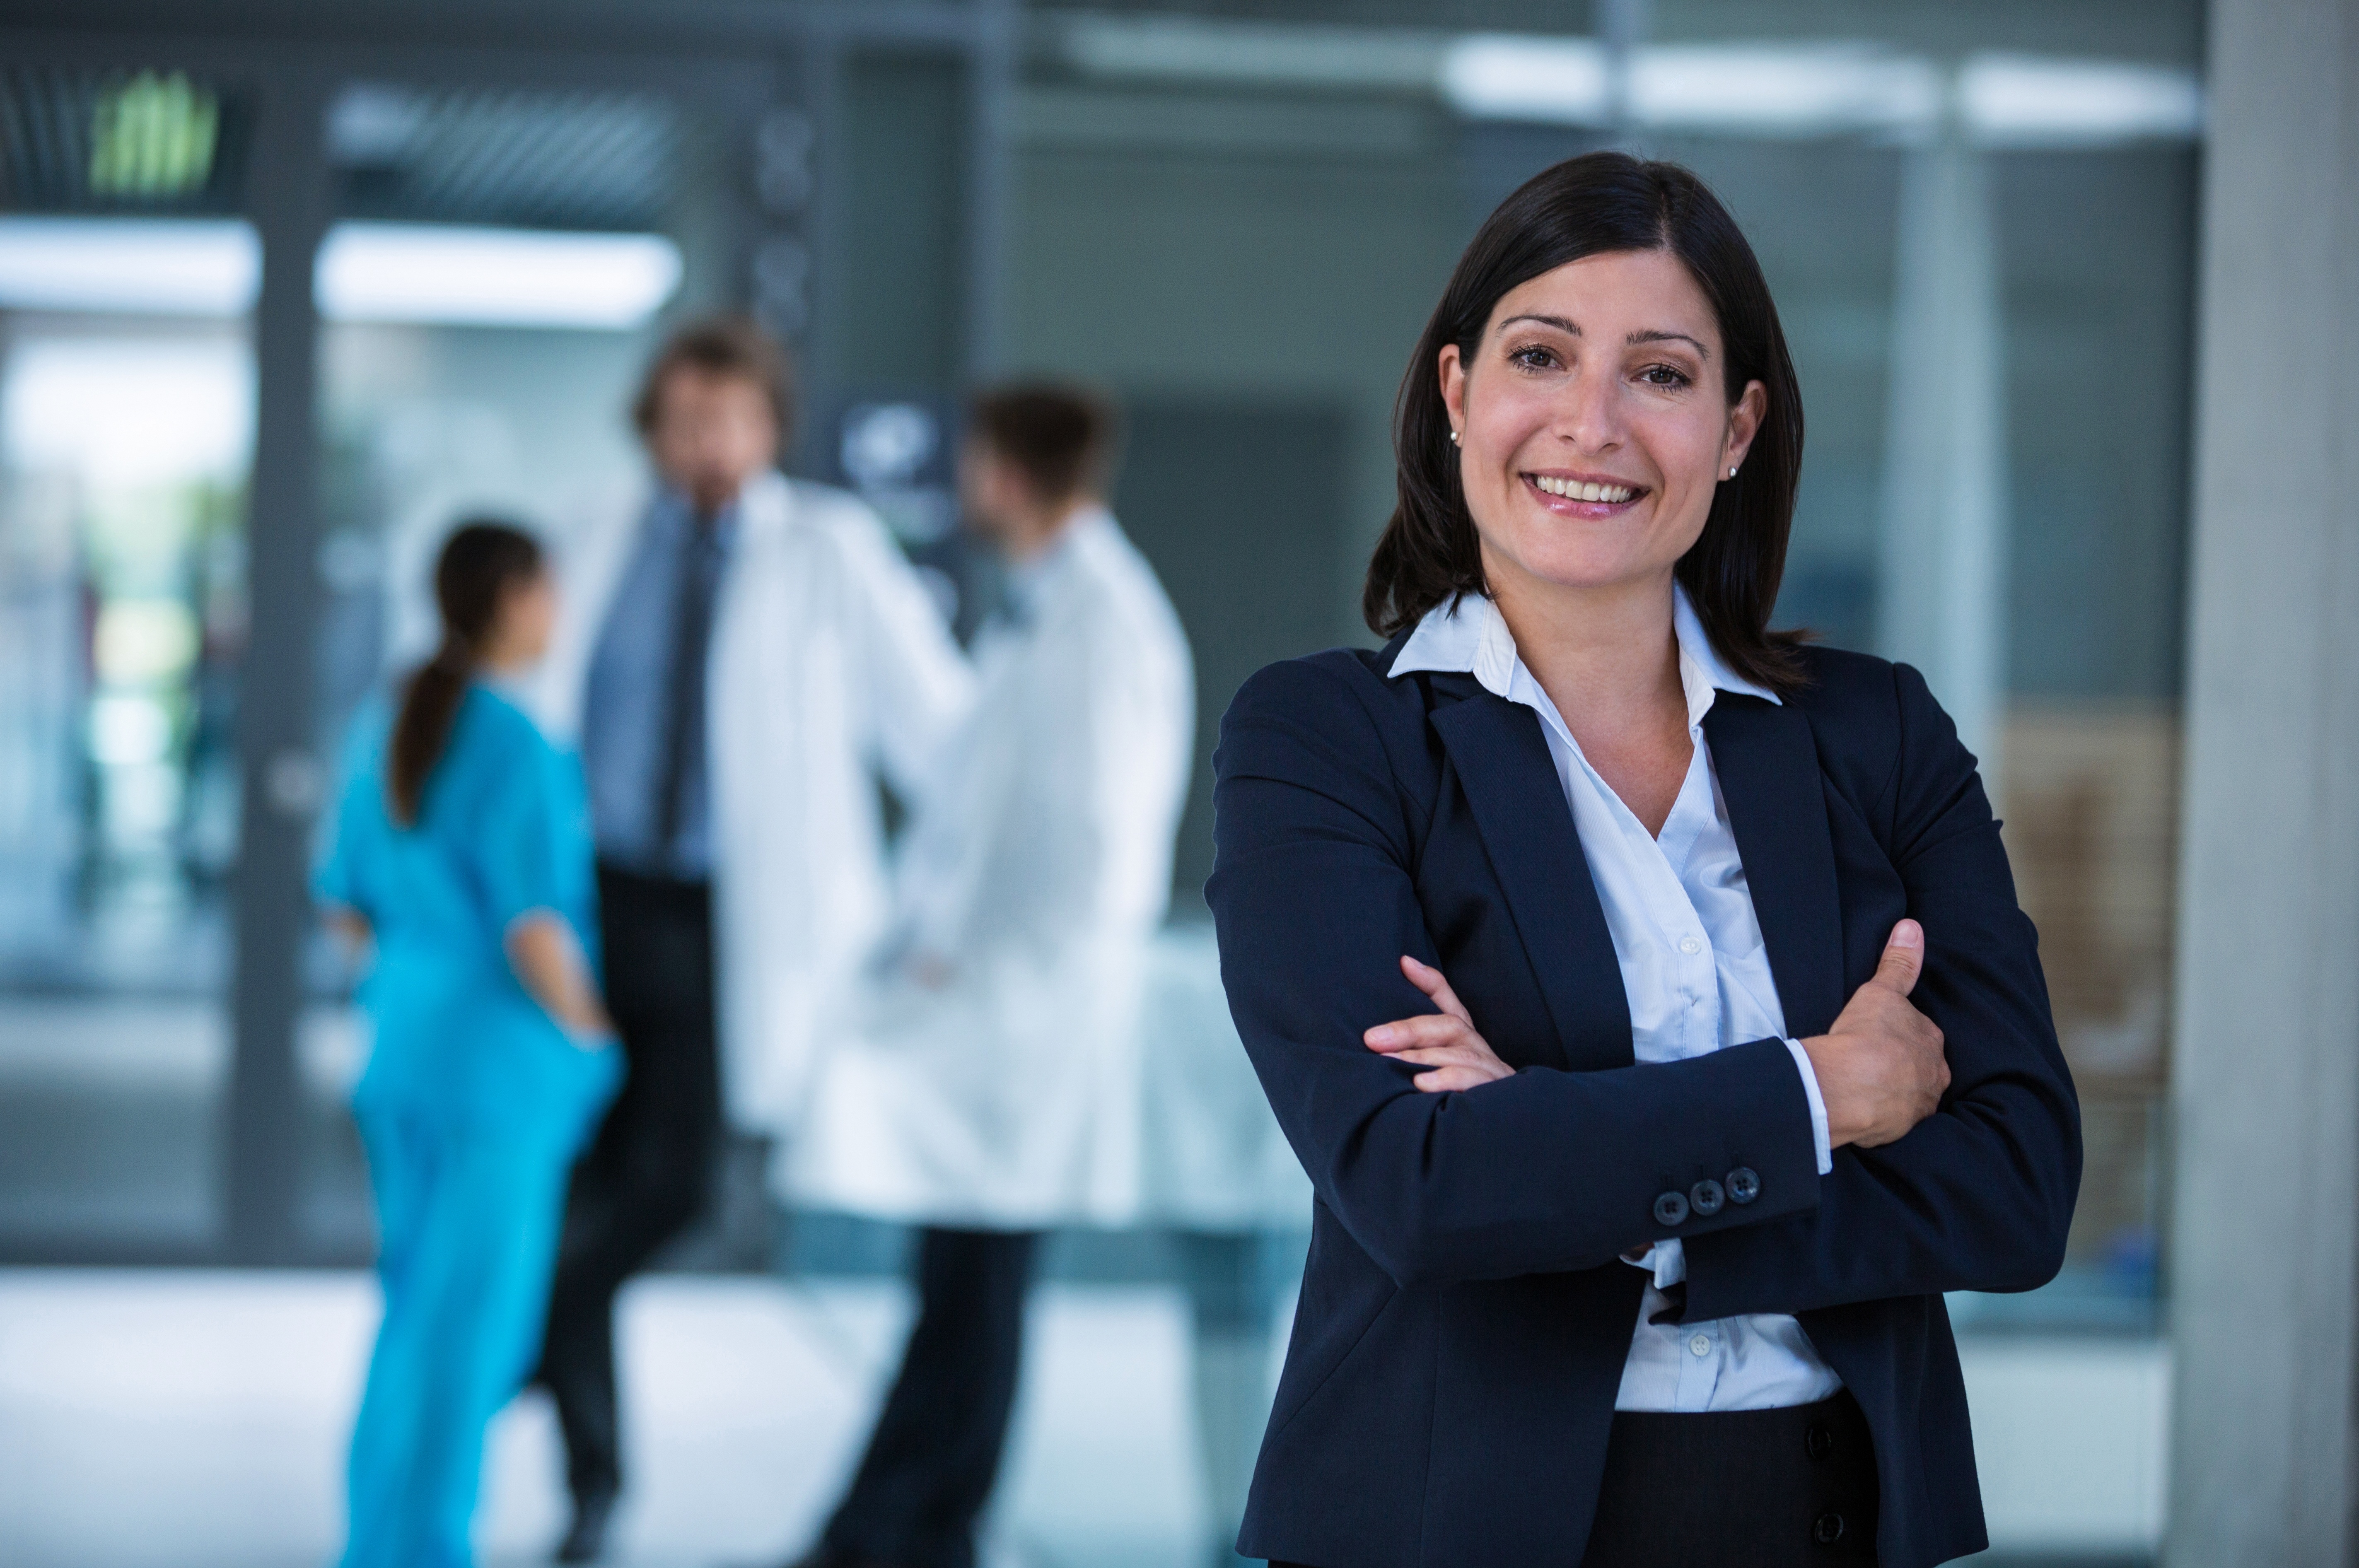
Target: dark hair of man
x=1591, y=205
x=481, y=562
x=1057, y=437
x=733, y=346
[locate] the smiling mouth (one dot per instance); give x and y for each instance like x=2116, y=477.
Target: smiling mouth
x=1582, y=490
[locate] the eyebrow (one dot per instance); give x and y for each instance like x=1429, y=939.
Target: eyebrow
x=1643, y=335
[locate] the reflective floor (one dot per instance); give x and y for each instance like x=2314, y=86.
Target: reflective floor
x=178, y=1419
x=189, y=1420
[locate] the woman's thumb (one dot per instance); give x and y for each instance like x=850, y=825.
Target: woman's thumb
x=1903, y=957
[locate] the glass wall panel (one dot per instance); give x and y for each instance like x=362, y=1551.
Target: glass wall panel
x=123, y=454
x=127, y=405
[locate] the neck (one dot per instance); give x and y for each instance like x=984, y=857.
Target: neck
x=705, y=505
x=1033, y=536
x=502, y=660
x=1606, y=656
x=500, y=669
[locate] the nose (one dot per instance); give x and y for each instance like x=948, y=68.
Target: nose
x=1588, y=412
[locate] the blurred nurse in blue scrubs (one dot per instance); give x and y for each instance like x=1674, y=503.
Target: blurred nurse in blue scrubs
x=460, y=851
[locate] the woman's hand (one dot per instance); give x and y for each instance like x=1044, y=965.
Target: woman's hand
x=1882, y=1068
x=1444, y=1041
x=352, y=928
x=548, y=962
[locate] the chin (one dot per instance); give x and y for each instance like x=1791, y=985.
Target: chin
x=1588, y=569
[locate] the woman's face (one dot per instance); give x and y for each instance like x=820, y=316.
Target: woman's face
x=1592, y=423
x=528, y=615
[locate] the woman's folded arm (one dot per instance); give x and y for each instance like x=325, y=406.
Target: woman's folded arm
x=1542, y=1172
x=1979, y=1195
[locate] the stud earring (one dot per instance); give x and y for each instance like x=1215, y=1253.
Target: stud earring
x=1454, y=437
x=1732, y=473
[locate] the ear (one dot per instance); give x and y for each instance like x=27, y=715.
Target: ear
x=1743, y=423
x=1452, y=369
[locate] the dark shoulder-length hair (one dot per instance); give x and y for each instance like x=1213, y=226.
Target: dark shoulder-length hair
x=484, y=560
x=1597, y=203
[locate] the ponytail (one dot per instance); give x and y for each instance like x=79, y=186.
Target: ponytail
x=480, y=563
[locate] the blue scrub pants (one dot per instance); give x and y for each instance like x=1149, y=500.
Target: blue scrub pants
x=470, y=1219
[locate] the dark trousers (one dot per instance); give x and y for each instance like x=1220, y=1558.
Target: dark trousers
x=1776, y=1488
x=935, y=1454
x=648, y=1174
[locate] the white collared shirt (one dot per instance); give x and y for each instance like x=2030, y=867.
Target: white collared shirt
x=1693, y=967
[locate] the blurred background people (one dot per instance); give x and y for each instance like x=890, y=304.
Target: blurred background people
x=751, y=649
x=460, y=848
x=991, y=1088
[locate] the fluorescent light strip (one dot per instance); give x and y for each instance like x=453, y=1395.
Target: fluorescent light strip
x=1782, y=90
x=1768, y=90
x=366, y=272
x=1759, y=88
x=504, y=277
x=1778, y=90
x=133, y=266
x=2026, y=100
x=1496, y=76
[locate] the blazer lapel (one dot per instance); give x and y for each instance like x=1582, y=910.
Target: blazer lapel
x=1768, y=768
x=1502, y=762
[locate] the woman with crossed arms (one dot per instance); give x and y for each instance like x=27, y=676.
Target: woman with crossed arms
x=1643, y=991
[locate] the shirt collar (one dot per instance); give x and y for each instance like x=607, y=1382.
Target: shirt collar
x=1467, y=635
x=671, y=515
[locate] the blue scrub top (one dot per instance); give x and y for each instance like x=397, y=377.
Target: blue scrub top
x=503, y=832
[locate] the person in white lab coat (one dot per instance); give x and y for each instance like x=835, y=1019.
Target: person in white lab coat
x=991, y=1088
x=752, y=649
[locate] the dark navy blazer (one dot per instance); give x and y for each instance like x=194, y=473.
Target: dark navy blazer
x=1466, y=1316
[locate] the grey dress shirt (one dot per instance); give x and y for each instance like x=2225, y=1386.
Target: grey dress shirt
x=643, y=730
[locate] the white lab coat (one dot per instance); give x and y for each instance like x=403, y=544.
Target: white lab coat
x=828, y=663
x=1038, y=864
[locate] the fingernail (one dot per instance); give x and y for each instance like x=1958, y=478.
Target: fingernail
x=1382, y=1035
x=1907, y=933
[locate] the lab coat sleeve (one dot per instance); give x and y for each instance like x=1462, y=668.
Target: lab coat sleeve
x=1141, y=700
x=917, y=682
x=948, y=858
x=1089, y=786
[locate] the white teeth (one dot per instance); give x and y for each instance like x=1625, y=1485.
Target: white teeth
x=1573, y=490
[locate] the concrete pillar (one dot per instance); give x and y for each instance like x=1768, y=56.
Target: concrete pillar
x=277, y=711
x=1941, y=599
x=2265, y=1316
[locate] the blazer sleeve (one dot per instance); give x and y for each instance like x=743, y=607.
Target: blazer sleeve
x=1546, y=1171
x=1979, y=1195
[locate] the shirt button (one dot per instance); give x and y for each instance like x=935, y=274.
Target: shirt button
x=1690, y=945
x=1700, y=1345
